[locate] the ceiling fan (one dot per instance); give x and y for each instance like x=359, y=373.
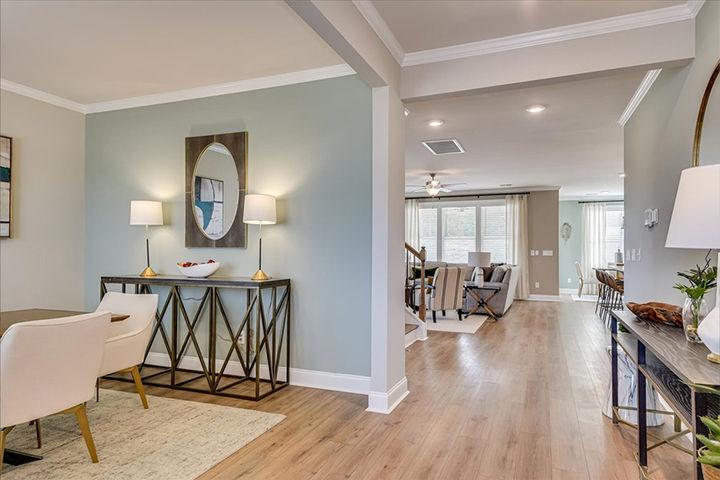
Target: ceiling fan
x=433, y=187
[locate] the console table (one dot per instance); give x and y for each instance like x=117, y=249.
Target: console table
x=264, y=321
x=671, y=365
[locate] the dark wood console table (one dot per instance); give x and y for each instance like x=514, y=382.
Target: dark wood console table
x=670, y=364
x=265, y=323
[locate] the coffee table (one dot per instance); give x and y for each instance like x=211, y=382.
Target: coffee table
x=482, y=301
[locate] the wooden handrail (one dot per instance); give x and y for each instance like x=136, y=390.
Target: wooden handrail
x=421, y=255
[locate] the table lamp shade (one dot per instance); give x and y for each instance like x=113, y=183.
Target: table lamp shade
x=259, y=209
x=478, y=259
x=695, y=221
x=146, y=213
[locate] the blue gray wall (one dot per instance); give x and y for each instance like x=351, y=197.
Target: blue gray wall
x=309, y=145
x=658, y=146
x=569, y=251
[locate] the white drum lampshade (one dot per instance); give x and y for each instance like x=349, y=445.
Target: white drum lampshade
x=259, y=209
x=144, y=212
x=695, y=223
x=478, y=259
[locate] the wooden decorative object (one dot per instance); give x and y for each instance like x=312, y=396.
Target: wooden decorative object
x=710, y=472
x=658, y=312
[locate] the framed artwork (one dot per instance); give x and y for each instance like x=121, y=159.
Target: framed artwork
x=5, y=187
x=208, y=197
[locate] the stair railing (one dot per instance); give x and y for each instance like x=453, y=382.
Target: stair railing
x=416, y=256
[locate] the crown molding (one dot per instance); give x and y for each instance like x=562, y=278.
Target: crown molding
x=638, y=96
x=40, y=95
x=373, y=17
x=283, y=79
x=558, y=34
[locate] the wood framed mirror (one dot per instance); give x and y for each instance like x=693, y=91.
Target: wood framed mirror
x=215, y=188
x=708, y=120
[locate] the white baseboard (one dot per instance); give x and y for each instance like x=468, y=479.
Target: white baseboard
x=545, y=298
x=568, y=291
x=414, y=336
x=339, y=382
x=385, y=402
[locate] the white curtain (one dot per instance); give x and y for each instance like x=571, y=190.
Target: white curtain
x=412, y=223
x=516, y=240
x=593, y=243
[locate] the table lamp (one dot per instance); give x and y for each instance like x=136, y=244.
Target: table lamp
x=695, y=223
x=146, y=213
x=259, y=210
x=478, y=260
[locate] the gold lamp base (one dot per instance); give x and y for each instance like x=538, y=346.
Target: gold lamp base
x=148, y=272
x=714, y=357
x=260, y=275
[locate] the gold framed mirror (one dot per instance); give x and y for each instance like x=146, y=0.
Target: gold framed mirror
x=708, y=118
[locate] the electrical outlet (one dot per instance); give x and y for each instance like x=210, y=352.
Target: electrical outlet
x=537, y=284
x=569, y=280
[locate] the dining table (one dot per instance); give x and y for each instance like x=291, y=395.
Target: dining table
x=12, y=317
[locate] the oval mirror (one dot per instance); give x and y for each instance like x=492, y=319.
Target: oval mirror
x=216, y=191
x=710, y=144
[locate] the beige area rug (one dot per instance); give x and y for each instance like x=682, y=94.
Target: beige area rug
x=450, y=323
x=173, y=439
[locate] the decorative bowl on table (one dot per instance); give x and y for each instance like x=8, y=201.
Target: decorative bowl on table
x=198, y=270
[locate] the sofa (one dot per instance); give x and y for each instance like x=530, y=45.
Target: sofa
x=503, y=299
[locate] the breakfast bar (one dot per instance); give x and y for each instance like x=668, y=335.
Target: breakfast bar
x=259, y=334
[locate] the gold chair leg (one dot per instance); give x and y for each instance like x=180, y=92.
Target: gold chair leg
x=138, y=383
x=85, y=428
x=3, y=434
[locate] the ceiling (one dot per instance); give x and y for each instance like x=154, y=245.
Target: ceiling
x=575, y=144
x=424, y=25
x=96, y=51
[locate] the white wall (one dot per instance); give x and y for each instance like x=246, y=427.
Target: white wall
x=42, y=265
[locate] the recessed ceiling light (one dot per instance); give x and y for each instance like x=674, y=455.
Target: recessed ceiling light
x=604, y=192
x=406, y=111
x=535, y=108
x=621, y=174
x=506, y=184
x=435, y=123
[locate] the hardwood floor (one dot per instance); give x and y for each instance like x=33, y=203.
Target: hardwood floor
x=520, y=399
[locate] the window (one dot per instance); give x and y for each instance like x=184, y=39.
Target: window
x=449, y=230
x=614, y=231
x=458, y=233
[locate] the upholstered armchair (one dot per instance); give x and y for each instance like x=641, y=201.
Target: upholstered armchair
x=446, y=291
x=127, y=340
x=49, y=367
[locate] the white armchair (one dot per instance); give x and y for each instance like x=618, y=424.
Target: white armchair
x=49, y=367
x=127, y=340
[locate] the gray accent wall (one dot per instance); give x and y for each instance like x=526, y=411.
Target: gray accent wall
x=309, y=145
x=570, y=251
x=41, y=266
x=658, y=146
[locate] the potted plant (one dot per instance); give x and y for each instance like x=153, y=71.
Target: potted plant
x=695, y=309
x=709, y=453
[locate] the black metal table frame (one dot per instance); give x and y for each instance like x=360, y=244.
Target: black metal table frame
x=482, y=302
x=699, y=406
x=269, y=335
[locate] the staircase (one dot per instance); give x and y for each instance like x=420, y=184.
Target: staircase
x=415, y=326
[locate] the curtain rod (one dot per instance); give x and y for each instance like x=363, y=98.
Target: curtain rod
x=603, y=201
x=471, y=195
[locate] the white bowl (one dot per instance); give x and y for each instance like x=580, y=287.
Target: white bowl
x=199, y=271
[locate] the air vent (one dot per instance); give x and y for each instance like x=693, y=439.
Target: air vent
x=444, y=147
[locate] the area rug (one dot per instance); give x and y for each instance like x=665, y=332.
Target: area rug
x=584, y=298
x=173, y=439
x=450, y=323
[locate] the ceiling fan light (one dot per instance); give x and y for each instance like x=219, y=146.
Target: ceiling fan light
x=432, y=190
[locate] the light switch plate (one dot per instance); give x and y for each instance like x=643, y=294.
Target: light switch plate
x=547, y=253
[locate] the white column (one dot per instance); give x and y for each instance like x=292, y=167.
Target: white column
x=388, y=385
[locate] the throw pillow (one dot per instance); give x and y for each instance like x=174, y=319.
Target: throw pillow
x=498, y=274
x=478, y=277
x=429, y=272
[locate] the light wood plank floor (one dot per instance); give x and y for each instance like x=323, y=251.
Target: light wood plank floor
x=520, y=399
